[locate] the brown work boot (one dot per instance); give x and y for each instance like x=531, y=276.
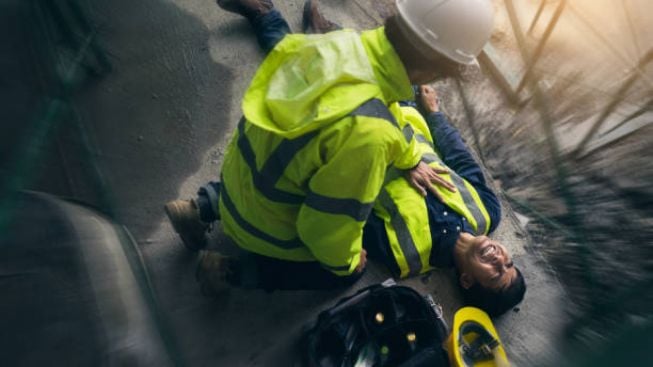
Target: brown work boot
x=185, y=218
x=314, y=22
x=250, y=9
x=212, y=272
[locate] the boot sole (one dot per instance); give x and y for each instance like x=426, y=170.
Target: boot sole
x=173, y=212
x=205, y=287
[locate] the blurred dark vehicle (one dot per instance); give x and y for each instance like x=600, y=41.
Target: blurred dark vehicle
x=74, y=291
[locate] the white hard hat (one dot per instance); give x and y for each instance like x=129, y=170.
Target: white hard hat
x=457, y=29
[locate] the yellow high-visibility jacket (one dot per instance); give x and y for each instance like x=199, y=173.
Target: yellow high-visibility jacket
x=321, y=127
x=404, y=211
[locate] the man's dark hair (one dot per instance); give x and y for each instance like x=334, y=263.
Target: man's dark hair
x=496, y=302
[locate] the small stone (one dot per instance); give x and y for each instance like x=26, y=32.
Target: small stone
x=523, y=220
x=140, y=138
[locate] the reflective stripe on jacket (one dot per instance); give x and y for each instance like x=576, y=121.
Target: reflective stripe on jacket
x=405, y=213
x=302, y=171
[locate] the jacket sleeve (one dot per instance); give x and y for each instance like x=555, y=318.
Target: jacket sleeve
x=342, y=191
x=456, y=155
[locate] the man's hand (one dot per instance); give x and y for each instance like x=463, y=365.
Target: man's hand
x=428, y=100
x=362, y=262
x=424, y=177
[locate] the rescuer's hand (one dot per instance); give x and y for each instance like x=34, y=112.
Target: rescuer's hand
x=362, y=262
x=423, y=177
x=428, y=100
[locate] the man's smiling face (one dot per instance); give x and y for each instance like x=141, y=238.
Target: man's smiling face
x=483, y=261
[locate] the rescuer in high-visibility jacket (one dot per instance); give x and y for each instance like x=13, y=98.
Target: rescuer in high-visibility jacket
x=321, y=127
x=413, y=234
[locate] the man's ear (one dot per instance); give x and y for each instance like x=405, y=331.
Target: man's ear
x=465, y=280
